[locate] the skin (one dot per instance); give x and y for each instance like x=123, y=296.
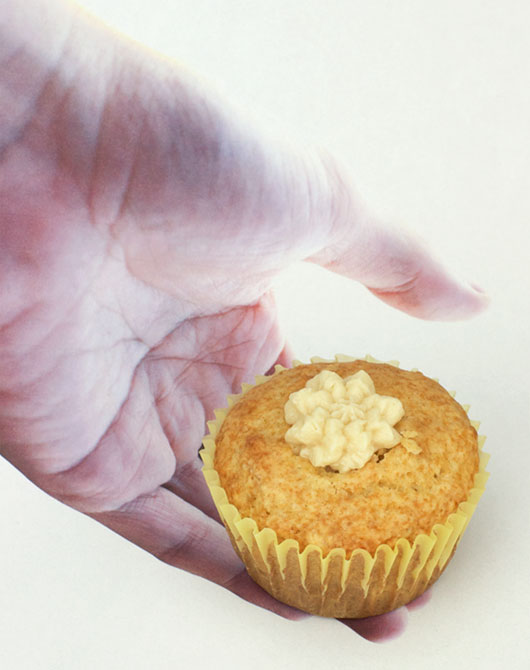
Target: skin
x=142, y=224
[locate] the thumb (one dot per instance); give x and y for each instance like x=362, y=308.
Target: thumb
x=394, y=264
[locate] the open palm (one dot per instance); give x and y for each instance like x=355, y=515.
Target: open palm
x=142, y=225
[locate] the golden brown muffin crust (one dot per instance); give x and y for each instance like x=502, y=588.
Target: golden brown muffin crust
x=402, y=495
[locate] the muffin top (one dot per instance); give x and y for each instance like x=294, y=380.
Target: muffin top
x=398, y=493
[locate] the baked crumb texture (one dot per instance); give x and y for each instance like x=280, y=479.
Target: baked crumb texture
x=345, y=544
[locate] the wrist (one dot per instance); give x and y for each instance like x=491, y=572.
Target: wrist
x=32, y=37
x=50, y=52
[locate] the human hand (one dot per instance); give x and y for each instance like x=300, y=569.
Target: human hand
x=142, y=226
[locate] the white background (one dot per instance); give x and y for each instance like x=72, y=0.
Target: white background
x=428, y=102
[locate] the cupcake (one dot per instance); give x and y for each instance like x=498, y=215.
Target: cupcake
x=346, y=485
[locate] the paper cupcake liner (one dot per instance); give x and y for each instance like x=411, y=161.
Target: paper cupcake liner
x=337, y=585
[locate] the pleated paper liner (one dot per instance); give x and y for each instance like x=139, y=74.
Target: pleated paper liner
x=337, y=585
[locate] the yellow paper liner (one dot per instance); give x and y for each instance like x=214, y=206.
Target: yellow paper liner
x=336, y=585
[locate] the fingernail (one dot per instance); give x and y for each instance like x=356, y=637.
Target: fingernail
x=477, y=288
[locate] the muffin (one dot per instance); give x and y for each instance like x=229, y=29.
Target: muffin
x=344, y=485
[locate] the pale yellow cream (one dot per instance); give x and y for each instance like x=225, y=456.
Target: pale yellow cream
x=341, y=423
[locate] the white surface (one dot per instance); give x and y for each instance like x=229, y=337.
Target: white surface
x=429, y=104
